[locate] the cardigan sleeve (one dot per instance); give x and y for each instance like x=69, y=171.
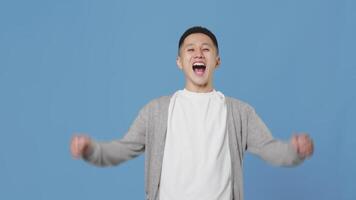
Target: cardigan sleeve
x=117, y=151
x=261, y=142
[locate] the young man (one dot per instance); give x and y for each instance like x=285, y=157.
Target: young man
x=194, y=140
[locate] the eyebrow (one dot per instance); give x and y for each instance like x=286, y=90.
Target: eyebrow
x=205, y=43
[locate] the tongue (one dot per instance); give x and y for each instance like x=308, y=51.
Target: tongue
x=199, y=72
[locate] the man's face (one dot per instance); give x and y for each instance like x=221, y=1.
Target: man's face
x=198, y=59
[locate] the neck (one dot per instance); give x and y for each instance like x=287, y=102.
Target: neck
x=199, y=89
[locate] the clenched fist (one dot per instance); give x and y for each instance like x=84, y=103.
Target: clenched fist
x=80, y=146
x=303, y=144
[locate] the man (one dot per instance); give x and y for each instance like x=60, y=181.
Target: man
x=195, y=139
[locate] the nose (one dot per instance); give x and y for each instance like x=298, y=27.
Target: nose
x=198, y=54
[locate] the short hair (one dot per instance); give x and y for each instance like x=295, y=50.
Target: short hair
x=198, y=29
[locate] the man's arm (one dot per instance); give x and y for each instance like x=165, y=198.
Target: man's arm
x=116, y=151
x=261, y=142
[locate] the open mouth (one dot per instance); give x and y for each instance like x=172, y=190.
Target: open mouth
x=199, y=68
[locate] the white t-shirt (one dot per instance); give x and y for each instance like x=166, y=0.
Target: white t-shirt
x=196, y=163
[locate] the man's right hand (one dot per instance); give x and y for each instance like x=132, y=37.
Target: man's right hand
x=80, y=145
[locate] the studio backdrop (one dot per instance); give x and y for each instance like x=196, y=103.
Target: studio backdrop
x=89, y=66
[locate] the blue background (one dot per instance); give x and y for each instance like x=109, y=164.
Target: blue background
x=89, y=66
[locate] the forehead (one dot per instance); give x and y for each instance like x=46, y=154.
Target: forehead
x=197, y=39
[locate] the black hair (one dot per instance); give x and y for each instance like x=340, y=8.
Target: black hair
x=198, y=29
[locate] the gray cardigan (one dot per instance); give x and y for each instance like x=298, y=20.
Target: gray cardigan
x=147, y=134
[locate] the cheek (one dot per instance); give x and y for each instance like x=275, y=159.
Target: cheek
x=211, y=57
x=186, y=63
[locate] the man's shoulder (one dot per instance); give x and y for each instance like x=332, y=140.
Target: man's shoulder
x=158, y=103
x=237, y=104
x=160, y=100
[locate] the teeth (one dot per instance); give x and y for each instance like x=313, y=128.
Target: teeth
x=198, y=63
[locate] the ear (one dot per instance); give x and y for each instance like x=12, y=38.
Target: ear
x=218, y=61
x=179, y=62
